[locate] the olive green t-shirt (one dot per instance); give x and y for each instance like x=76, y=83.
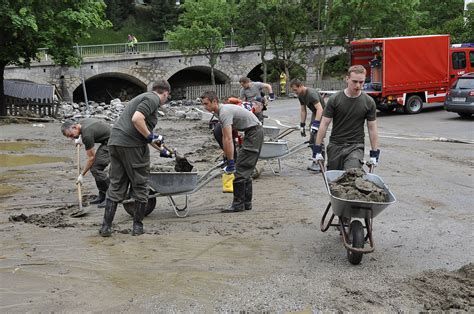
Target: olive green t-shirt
x=349, y=115
x=310, y=98
x=124, y=132
x=94, y=131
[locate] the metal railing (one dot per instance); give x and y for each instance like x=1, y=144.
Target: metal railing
x=141, y=47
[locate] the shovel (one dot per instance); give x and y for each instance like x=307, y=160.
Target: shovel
x=81, y=211
x=181, y=163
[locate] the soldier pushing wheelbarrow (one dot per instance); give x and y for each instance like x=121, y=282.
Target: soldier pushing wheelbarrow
x=348, y=110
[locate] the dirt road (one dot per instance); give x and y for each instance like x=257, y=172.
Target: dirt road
x=273, y=258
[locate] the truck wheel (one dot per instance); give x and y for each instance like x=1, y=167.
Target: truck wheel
x=413, y=105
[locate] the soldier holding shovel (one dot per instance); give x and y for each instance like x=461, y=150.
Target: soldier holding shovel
x=89, y=132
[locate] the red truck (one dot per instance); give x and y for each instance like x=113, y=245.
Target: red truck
x=411, y=72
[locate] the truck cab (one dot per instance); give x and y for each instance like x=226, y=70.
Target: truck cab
x=461, y=61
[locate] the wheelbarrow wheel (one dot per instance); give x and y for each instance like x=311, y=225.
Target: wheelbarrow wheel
x=150, y=206
x=356, y=238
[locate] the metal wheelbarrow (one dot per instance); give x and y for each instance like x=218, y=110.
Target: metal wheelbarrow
x=276, y=148
x=172, y=184
x=352, y=230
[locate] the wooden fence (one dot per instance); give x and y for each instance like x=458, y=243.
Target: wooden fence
x=30, y=107
x=225, y=90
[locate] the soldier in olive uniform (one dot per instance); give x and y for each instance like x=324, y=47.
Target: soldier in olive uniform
x=89, y=132
x=348, y=110
x=311, y=99
x=231, y=116
x=130, y=156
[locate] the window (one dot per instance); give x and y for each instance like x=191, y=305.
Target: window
x=459, y=60
x=471, y=57
x=465, y=83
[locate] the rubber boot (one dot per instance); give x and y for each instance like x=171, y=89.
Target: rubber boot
x=99, y=198
x=248, y=194
x=138, y=216
x=239, y=198
x=109, y=213
x=102, y=186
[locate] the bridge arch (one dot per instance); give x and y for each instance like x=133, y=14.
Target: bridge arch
x=104, y=87
x=194, y=76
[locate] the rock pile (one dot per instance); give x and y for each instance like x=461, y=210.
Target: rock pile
x=182, y=109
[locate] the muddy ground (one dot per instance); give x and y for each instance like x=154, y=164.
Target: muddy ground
x=273, y=258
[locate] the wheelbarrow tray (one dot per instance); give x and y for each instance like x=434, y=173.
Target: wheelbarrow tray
x=354, y=208
x=274, y=149
x=169, y=183
x=271, y=131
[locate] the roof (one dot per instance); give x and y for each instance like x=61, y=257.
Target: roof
x=28, y=90
x=380, y=40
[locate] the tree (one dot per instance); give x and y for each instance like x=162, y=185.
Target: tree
x=350, y=19
x=434, y=14
x=117, y=11
x=57, y=25
x=165, y=15
x=204, y=24
x=449, y=19
x=250, y=27
x=286, y=31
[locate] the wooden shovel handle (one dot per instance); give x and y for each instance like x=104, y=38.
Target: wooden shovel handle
x=79, y=192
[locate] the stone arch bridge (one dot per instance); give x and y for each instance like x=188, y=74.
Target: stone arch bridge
x=141, y=69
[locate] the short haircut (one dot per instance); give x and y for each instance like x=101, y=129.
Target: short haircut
x=161, y=86
x=210, y=94
x=296, y=82
x=357, y=69
x=244, y=79
x=67, y=125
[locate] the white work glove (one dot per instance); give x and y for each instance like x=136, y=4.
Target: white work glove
x=317, y=152
x=78, y=141
x=318, y=157
x=374, y=157
x=80, y=179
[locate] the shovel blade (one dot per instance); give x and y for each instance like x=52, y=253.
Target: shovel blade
x=182, y=165
x=79, y=213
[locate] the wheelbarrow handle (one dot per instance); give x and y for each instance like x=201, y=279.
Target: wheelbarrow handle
x=323, y=173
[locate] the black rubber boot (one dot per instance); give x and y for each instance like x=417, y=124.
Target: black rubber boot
x=109, y=213
x=102, y=205
x=248, y=194
x=138, y=215
x=239, y=198
x=99, y=198
x=102, y=186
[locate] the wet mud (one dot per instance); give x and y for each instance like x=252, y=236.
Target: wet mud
x=353, y=186
x=442, y=290
x=273, y=258
x=55, y=219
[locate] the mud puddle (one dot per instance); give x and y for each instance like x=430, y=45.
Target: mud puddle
x=20, y=145
x=22, y=160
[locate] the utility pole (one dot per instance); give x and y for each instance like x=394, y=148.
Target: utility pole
x=82, y=79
